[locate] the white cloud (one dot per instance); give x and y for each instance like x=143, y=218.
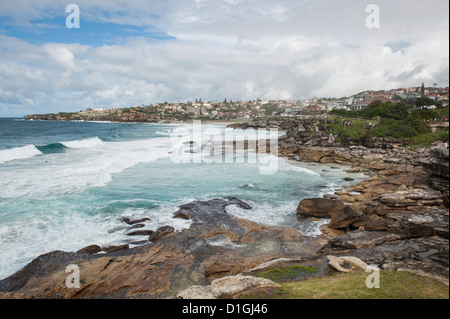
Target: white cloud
x=240, y=49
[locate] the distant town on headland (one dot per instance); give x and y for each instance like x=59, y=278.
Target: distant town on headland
x=166, y=112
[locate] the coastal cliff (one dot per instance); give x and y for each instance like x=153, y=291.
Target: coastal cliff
x=398, y=218
x=117, y=116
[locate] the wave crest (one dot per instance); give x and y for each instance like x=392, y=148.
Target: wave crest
x=17, y=153
x=86, y=143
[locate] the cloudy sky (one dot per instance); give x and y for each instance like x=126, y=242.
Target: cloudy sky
x=137, y=52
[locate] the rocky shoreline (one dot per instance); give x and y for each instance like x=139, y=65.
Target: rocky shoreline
x=396, y=219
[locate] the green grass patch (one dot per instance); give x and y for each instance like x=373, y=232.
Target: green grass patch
x=393, y=285
x=428, y=138
x=287, y=273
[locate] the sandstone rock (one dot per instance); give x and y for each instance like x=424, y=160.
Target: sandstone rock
x=228, y=287
x=355, y=261
x=337, y=264
x=347, y=198
x=415, y=225
x=359, y=189
x=388, y=172
x=319, y=207
x=412, y=197
x=330, y=232
x=378, y=166
x=343, y=218
x=377, y=225
x=346, y=263
x=362, y=239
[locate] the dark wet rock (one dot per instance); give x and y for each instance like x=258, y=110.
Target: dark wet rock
x=35, y=269
x=132, y=222
x=113, y=249
x=141, y=233
x=431, y=223
x=137, y=226
x=90, y=250
x=182, y=214
x=160, y=232
x=362, y=239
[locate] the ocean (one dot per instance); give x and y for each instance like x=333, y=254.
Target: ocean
x=67, y=185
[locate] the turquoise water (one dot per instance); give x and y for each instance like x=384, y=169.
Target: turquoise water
x=66, y=185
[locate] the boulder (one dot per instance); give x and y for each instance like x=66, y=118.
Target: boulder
x=132, y=222
x=141, y=233
x=228, y=287
x=161, y=232
x=319, y=207
x=90, y=250
x=343, y=218
x=182, y=214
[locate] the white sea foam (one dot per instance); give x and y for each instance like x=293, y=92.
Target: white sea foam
x=90, y=142
x=17, y=153
x=81, y=168
x=284, y=166
x=276, y=214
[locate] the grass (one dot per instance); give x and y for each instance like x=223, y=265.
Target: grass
x=393, y=285
x=356, y=130
x=287, y=273
x=426, y=139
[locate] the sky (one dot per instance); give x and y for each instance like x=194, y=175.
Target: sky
x=134, y=52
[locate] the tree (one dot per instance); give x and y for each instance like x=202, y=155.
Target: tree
x=269, y=108
x=422, y=90
x=398, y=111
x=425, y=101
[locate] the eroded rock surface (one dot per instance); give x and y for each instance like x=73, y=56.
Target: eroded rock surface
x=216, y=245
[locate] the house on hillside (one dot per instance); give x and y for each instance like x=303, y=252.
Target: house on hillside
x=363, y=105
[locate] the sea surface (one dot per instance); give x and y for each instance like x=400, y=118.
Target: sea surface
x=66, y=185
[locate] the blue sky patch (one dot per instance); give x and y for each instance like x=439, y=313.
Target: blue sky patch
x=90, y=33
